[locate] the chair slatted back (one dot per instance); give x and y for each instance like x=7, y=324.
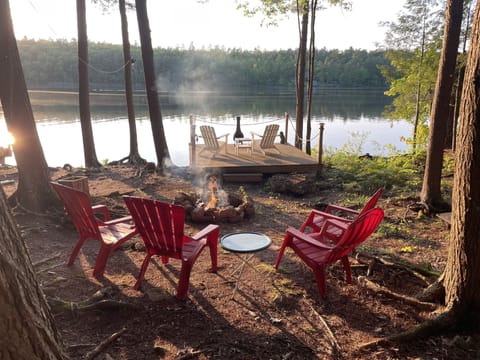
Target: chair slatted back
x=358, y=231
x=372, y=202
x=160, y=224
x=209, y=137
x=269, y=135
x=77, y=205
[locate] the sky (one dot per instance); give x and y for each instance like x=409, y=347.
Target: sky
x=184, y=23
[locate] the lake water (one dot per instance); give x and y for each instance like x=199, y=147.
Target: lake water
x=349, y=117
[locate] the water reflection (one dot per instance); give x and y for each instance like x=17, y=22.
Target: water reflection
x=344, y=112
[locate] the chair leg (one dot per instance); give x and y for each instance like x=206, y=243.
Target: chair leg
x=101, y=261
x=75, y=251
x=184, y=281
x=282, y=250
x=145, y=263
x=320, y=277
x=212, y=245
x=212, y=241
x=348, y=270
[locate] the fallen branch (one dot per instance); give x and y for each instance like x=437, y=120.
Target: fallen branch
x=405, y=299
x=104, y=344
x=333, y=339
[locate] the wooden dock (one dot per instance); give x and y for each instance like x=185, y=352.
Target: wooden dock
x=245, y=167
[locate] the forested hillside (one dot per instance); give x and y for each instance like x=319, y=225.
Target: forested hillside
x=53, y=65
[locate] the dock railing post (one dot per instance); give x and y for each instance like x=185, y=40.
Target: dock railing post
x=286, y=127
x=192, y=142
x=320, y=149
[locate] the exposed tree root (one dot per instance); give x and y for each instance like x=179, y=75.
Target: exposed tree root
x=403, y=298
x=442, y=322
x=103, y=345
x=435, y=292
x=132, y=159
x=95, y=302
x=59, y=306
x=417, y=270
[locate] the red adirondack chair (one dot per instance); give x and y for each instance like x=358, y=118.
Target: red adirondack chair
x=110, y=233
x=318, y=250
x=337, y=214
x=161, y=227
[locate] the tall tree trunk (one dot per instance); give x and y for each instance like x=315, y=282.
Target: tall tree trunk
x=416, y=120
x=311, y=71
x=83, y=90
x=462, y=272
x=27, y=328
x=33, y=191
x=134, y=156
x=431, y=191
x=156, y=120
x=300, y=78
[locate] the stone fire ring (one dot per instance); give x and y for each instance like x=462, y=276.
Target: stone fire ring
x=239, y=207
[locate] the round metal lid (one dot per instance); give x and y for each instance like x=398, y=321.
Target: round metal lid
x=245, y=242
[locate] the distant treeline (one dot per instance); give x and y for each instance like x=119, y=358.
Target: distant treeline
x=53, y=65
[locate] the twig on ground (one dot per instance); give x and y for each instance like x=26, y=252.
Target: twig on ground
x=188, y=355
x=51, y=267
x=104, y=344
x=45, y=260
x=59, y=305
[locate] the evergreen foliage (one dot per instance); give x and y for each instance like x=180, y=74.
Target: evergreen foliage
x=53, y=65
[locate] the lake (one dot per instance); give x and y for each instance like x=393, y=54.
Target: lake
x=350, y=117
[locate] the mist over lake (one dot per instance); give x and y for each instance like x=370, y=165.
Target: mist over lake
x=349, y=117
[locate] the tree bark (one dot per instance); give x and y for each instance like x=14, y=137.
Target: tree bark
x=134, y=156
x=311, y=71
x=156, y=120
x=83, y=90
x=33, y=191
x=27, y=328
x=462, y=272
x=431, y=194
x=300, y=78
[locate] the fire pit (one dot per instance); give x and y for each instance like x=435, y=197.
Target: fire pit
x=216, y=205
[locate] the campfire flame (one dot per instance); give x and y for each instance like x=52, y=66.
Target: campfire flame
x=212, y=186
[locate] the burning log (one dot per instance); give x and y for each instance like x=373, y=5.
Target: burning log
x=232, y=207
x=212, y=186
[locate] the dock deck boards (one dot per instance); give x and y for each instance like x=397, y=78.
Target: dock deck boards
x=289, y=160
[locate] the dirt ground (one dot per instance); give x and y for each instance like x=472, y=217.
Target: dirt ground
x=274, y=314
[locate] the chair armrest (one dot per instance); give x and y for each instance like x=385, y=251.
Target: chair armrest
x=123, y=219
x=339, y=224
x=328, y=215
x=206, y=231
x=103, y=210
x=307, y=238
x=255, y=134
x=224, y=135
x=310, y=222
x=331, y=207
